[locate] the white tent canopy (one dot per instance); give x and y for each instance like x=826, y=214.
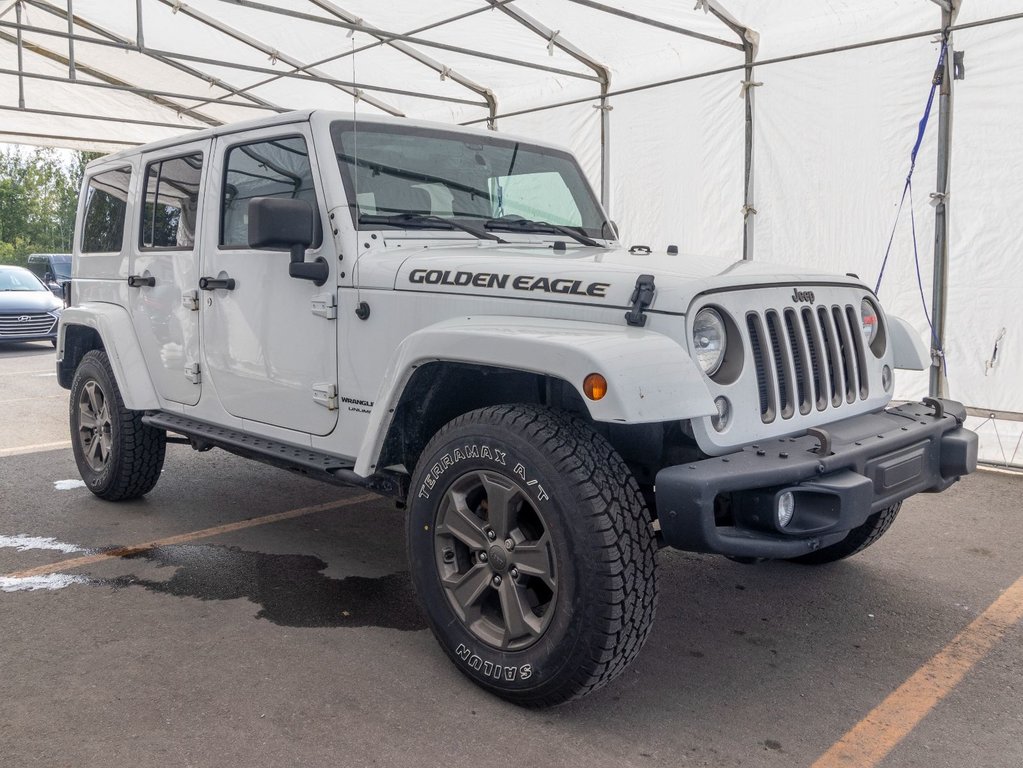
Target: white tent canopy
x=656, y=97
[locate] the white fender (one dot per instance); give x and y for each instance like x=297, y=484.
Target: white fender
x=909, y=351
x=113, y=324
x=650, y=377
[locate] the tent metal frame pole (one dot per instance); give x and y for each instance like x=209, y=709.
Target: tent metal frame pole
x=427, y=61
x=171, y=55
x=72, y=75
x=104, y=32
x=148, y=93
x=102, y=118
x=938, y=382
x=408, y=38
x=274, y=54
x=656, y=24
x=21, y=65
x=749, y=211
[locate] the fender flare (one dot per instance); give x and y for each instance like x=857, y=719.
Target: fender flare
x=112, y=322
x=909, y=352
x=650, y=377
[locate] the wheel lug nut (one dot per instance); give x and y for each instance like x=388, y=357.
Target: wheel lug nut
x=514, y=573
x=491, y=535
x=483, y=557
x=449, y=555
x=497, y=580
x=509, y=544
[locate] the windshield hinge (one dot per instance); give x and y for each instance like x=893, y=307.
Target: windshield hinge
x=325, y=395
x=642, y=296
x=325, y=305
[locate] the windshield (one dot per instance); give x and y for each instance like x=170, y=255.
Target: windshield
x=61, y=269
x=391, y=170
x=20, y=280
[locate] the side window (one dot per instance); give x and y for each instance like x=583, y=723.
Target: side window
x=105, y=206
x=172, y=202
x=275, y=168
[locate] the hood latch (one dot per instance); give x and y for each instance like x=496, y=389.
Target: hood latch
x=642, y=296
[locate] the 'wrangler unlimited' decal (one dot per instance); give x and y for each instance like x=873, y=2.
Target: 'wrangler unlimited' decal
x=518, y=282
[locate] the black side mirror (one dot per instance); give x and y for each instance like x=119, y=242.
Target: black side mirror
x=277, y=223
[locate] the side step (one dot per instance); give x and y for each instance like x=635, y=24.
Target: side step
x=296, y=458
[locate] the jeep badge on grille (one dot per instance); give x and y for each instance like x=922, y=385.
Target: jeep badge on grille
x=798, y=296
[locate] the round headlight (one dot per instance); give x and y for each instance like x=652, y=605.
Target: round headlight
x=868, y=318
x=709, y=340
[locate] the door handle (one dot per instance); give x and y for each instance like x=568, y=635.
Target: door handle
x=216, y=283
x=137, y=281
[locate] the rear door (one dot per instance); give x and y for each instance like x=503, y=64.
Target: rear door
x=164, y=268
x=270, y=340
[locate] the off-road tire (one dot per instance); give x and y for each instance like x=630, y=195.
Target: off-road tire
x=601, y=545
x=858, y=539
x=136, y=452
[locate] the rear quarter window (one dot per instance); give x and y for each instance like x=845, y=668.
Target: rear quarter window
x=106, y=204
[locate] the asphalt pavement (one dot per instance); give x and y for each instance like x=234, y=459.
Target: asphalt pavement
x=240, y=615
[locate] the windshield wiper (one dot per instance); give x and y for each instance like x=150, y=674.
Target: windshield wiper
x=528, y=225
x=425, y=221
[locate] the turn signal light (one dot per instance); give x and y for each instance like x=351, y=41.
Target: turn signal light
x=595, y=386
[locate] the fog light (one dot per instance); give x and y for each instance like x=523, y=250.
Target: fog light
x=724, y=414
x=886, y=378
x=786, y=506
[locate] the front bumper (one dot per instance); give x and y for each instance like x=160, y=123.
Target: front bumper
x=838, y=477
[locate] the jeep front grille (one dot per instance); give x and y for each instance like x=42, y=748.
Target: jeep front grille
x=26, y=325
x=807, y=358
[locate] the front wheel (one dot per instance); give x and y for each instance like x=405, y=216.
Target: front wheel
x=531, y=552
x=118, y=456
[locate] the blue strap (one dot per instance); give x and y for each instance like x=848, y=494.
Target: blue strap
x=921, y=129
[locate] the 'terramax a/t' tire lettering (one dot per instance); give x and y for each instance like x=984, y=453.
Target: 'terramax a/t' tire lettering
x=532, y=553
x=119, y=457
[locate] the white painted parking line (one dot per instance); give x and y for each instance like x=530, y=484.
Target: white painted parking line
x=38, y=448
x=37, y=397
x=23, y=373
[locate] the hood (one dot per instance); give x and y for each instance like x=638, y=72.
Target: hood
x=596, y=276
x=28, y=301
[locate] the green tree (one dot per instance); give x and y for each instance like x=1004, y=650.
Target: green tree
x=38, y=199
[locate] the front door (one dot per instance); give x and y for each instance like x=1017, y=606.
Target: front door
x=269, y=341
x=164, y=244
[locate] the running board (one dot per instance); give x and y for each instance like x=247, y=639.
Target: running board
x=296, y=458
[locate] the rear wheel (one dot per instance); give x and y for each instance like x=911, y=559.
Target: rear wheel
x=858, y=539
x=531, y=553
x=118, y=456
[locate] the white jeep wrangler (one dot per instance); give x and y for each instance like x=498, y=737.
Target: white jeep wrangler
x=445, y=316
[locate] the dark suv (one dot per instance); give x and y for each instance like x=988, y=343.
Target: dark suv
x=54, y=269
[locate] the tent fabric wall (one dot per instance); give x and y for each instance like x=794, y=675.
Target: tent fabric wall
x=832, y=132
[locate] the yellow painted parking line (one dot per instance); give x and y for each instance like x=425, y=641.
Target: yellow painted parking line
x=78, y=562
x=871, y=739
x=39, y=447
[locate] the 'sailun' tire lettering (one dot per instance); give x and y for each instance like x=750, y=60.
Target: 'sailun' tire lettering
x=579, y=553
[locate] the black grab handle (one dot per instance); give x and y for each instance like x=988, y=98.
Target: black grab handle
x=137, y=281
x=216, y=283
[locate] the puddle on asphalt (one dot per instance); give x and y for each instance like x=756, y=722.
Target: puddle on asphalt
x=290, y=590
